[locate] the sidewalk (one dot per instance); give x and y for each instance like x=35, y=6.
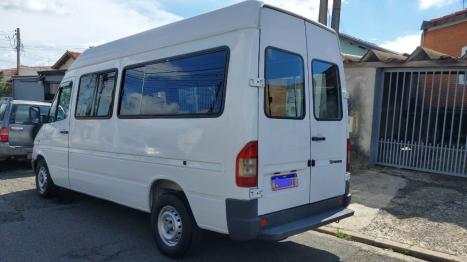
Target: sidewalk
x=415, y=209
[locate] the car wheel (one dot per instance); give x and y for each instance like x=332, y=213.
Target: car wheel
x=44, y=184
x=173, y=227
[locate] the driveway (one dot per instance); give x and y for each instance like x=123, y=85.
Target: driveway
x=415, y=209
x=76, y=227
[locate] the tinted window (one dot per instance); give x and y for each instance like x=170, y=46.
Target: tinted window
x=285, y=82
x=44, y=110
x=2, y=110
x=326, y=91
x=20, y=114
x=61, y=104
x=192, y=85
x=95, y=95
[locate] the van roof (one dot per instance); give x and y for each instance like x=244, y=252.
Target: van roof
x=240, y=16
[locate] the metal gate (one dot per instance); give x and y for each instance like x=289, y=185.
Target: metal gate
x=423, y=120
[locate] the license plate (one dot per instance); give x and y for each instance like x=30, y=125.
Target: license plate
x=284, y=181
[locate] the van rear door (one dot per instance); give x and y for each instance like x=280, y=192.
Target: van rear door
x=284, y=124
x=328, y=115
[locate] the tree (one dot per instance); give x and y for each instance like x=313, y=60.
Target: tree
x=3, y=88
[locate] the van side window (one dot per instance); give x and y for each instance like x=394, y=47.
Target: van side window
x=285, y=85
x=95, y=95
x=192, y=85
x=61, y=104
x=326, y=91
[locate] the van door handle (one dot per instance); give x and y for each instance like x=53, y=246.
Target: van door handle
x=318, y=138
x=65, y=132
x=16, y=128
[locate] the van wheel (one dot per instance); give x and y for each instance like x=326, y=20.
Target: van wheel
x=44, y=184
x=173, y=226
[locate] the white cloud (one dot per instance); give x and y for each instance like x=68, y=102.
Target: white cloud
x=403, y=44
x=425, y=4
x=49, y=27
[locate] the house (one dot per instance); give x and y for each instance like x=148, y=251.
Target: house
x=52, y=77
x=357, y=47
x=41, y=84
x=409, y=111
x=447, y=34
x=28, y=72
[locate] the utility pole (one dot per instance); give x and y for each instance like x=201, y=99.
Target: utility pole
x=323, y=12
x=18, y=50
x=336, y=15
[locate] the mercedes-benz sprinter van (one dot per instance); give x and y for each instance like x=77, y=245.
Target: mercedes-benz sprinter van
x=233, y=121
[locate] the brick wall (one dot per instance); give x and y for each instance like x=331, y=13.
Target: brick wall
x=448, y=40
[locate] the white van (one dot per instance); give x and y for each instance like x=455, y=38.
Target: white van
x=234, y=121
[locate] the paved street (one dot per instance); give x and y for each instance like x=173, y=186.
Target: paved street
x=75, y=227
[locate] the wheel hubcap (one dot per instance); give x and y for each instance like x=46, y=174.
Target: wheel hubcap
x=169, y=224
x=42, y=179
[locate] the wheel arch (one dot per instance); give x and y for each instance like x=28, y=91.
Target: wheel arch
x=36, y=160
x=161, y=186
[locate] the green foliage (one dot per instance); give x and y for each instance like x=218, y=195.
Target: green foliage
x=406, y=252
x=3, y=88
x=342, y=235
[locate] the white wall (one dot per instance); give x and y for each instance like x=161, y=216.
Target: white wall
x=361, y=86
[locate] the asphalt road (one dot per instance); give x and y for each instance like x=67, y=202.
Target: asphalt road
x=76, y=227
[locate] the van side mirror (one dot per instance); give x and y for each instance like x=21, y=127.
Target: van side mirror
x=35, y=115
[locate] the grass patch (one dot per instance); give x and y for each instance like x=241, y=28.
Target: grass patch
x=406, y=252
x=342, y=235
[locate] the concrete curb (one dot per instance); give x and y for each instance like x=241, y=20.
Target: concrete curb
x=402, y=248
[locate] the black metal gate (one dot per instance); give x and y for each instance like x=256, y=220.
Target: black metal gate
x=423, y=120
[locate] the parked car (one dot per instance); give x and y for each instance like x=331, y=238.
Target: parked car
x=18, y=126
x=234, y=121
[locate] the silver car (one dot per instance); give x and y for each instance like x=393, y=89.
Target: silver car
x=20, y=121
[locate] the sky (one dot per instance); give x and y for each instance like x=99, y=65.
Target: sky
x=50, y=27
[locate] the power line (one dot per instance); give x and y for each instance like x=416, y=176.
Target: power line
x=54, y=47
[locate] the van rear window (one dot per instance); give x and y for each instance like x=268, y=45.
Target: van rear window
x=326, y=91
x=285, y=85
x=192, y=85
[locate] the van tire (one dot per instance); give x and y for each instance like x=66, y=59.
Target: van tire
x=174, y=209
x=45, y=187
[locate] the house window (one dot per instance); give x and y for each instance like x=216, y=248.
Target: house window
x=462, y=79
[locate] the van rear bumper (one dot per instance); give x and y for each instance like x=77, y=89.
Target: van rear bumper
x=244, y=223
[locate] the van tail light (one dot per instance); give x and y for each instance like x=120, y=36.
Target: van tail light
x=246, y=170
x=4, y=134
x=348, y=167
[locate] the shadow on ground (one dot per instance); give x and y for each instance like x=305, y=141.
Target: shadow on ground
x=73, y=226
x=436, y=198
x=10, y=169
